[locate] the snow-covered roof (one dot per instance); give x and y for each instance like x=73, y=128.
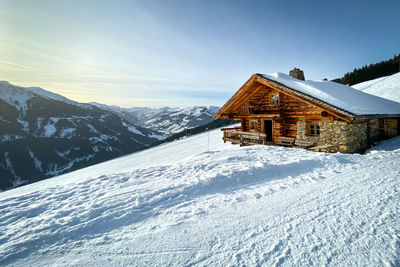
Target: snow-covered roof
x=337, y=95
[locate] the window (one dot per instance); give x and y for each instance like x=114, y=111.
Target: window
x=313, y=128
x=253, y=125
x=275, y=100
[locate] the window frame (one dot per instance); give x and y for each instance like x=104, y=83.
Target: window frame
x=275, y=99
x=313, y=128
x=255, y=124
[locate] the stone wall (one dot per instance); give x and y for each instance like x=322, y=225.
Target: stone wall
x=357, y=139
x=338, y=136
x=302, y=133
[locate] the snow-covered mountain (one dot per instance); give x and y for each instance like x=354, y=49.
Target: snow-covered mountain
x=387, y=87
x=200, y=202
x=165, y=120
x=54, y=96
x=43, y=134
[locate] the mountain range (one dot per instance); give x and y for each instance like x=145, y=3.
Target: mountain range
x=166, y=120
x=43, y=134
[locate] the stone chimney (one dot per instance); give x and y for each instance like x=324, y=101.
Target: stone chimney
x=297, y=73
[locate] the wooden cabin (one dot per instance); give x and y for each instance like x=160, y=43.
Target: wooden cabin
x=279, y=109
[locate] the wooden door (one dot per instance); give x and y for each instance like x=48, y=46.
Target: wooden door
x=390, y=128
x=268, y=130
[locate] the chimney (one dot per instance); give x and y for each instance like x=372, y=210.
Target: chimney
x=297, y=73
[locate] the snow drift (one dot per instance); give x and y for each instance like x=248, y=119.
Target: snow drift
x=193, y=203
x=387, y=87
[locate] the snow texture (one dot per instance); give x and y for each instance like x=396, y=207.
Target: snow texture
x=182, y=204
x=15, y=95
x=24, y=124
x=67, y=133
x=9, y=137
x=157, y=136
x=50, y=128
x=132, y=129
x=38, y=164
x=338, y=95
x=387, y=87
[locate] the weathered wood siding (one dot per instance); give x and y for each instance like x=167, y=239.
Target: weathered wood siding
x=390, y=128
x=289, y=111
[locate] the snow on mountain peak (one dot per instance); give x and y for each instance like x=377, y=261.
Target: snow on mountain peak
x=15, y=95
x=18, y=95
x=166, y=120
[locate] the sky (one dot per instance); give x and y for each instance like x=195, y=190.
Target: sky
x=183, y=53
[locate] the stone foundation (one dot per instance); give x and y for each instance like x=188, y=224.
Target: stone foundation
x=337, y=136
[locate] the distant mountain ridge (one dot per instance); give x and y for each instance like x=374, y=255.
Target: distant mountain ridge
x=43, y=134
x=166, y=120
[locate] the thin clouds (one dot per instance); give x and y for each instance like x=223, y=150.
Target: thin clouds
x=20, y=66
x=180, y=51
x=152, y=59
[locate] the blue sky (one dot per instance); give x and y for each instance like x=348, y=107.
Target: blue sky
x=184, y=53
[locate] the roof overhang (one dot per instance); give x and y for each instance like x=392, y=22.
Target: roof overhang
x=224, y=110
x=239, y=96
x=228, y=110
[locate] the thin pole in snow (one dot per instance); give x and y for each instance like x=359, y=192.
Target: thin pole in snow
x=208, y=140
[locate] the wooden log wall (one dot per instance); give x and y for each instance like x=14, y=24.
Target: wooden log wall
x=261, y=100
x=290, y=110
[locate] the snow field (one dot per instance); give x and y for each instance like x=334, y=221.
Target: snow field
x=387, y=87
x=181, y=204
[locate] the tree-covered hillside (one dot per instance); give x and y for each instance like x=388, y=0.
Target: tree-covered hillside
x=371, y=71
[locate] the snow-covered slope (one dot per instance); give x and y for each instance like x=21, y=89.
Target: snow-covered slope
x=44, y=134
x=190, y=203
x=165, y=120
x=387, y=87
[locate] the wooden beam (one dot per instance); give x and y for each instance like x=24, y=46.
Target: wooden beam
x=246, y=96
x=260, y=116
x=225, y=108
